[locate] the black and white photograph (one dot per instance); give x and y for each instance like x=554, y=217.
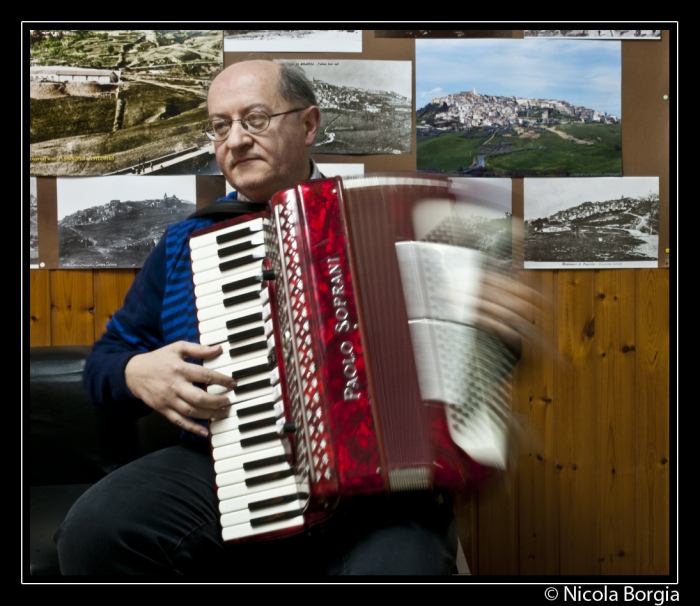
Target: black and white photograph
x=595, y=34
x=115, y=222
x=293, y=40
x=591, y=223
x=366, y=106
x=443, y=33
x=121, y=102
x=33, y=226
x=483, y=218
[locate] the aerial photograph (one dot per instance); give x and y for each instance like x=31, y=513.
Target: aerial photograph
x=128, y=102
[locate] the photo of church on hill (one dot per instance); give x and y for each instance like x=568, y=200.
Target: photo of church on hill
x=117, y=221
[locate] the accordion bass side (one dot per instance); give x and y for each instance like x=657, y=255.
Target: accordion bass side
x=346, y=316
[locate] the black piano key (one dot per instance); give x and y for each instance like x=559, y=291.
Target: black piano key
x=253, y=370
x=264, y=463
x=247, y=260
x=246, y=334
x=240, y=247
x=243, y=349
x=246, y=296
x=265, y=437
x=238, y=284
x=257, y=505
x=252, y=386
x=243, y=427
x=253, y=410
x=256, y=317
x=276, y=517
x=239, y=233
x=269, y=477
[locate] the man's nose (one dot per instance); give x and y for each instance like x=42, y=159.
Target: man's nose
x=238, y=136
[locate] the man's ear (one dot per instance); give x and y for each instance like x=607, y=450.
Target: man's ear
x=312, y=124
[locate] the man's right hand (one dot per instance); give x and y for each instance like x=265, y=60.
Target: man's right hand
x=164, y=381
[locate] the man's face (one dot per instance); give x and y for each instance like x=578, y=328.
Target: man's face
x=258, y=165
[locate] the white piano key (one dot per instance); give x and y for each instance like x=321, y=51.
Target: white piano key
x=208, y=263
x=210, y=238
x=240, y=531
x=231, y=451
x=214, y=293
x=235, y=435
x=225, y=358
x=241, y=489
x=217, y=311
x=244, y=516
x=240, y=475
x=234, y=421
x=210, y=275
x=210, y=250
x=212, y=288
x=235, y=366
x=254, y=500
x=226, y=464
x=215, y=325
x=217, y=426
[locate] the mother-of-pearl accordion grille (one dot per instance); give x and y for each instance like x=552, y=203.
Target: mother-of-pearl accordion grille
x=304, y=381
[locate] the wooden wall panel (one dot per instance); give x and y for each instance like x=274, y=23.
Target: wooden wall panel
x=39, y=309
x=653, y=416
x=538, y=477
x=71, y=307
x=112, y=286
x=577, y=440
x=615, y=353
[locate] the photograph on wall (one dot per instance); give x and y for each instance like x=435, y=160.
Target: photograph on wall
x=443, y=33
x=366, y=106
x=595, y=34
x=115, y=222
x=33, y=225
x=484, y=218
x=121, y=102
x=293, y=40
x=519, y=108
x=591, y=223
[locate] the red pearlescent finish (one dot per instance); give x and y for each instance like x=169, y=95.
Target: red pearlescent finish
x=340, y=352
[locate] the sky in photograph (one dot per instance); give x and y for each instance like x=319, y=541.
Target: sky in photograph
x=544, y=197
x=78, y=193
x=582, y=72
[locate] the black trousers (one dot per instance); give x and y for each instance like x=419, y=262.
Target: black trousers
x=159, y=516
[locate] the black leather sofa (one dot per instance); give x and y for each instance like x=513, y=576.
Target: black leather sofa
x=70, y=446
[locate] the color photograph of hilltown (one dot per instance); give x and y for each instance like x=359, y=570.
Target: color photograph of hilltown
x=106, y=102
x=519, y=108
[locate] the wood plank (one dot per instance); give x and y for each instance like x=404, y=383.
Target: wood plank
x=656, y=461
x=71, y=307
x=110, y=287
x=39, y=308
x=615, y=344
x=534, y=406
x=576, y=438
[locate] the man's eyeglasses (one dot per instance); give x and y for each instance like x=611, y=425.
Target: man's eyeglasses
x=218, y=129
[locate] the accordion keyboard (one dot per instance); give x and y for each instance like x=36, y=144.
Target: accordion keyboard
x=256, y=484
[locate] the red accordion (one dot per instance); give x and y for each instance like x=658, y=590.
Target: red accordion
x=345, y=313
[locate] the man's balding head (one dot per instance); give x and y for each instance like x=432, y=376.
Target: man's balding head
x=258, y=165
